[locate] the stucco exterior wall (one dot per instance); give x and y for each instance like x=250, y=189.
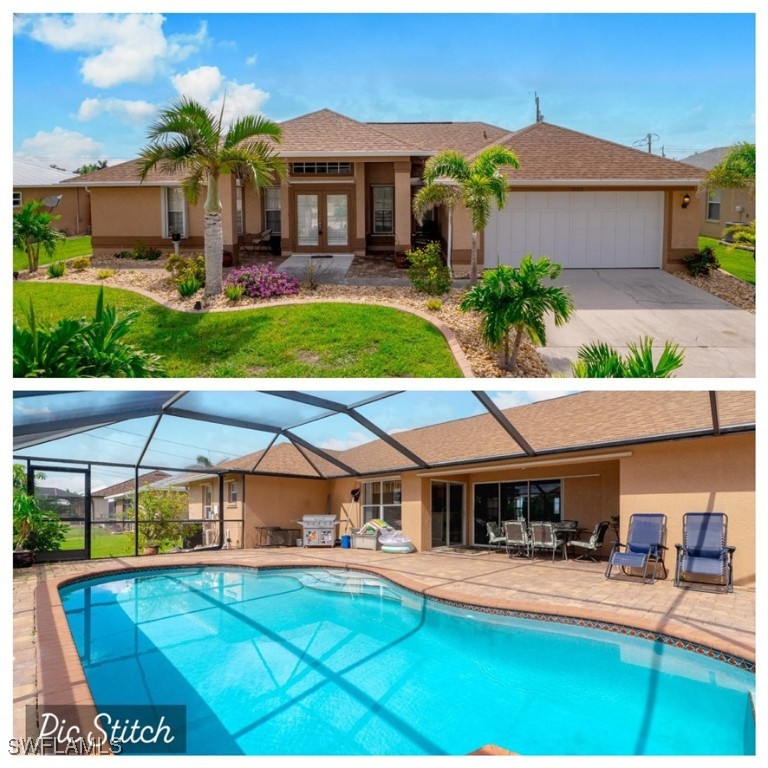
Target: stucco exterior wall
x=74, y=210
x=729, y=200
x=681, y=229
x=124, y=216
x=275, y=501
x=705, y=475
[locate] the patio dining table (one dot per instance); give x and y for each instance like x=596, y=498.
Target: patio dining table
x=566, y=533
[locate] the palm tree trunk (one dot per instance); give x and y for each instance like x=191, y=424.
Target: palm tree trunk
x=473, y=261
x=515, y=349
x=213, y=236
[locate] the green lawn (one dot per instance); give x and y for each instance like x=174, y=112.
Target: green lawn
x=302, y=340
x=738, y=262
x=67, y=249
x=104, y=543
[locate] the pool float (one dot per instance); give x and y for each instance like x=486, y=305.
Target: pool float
x=395, y=543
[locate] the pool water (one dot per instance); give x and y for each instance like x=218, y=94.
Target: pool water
x=318, y=662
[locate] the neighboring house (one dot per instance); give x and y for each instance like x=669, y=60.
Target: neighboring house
x=36, y=181
x=580, y=200
x=591, y=456
x=115, y=502
x=720, y=208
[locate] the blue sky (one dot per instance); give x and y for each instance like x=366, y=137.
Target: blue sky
x=87, y=86
x=177, y=442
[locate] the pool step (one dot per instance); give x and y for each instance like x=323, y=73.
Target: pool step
x=354, y=583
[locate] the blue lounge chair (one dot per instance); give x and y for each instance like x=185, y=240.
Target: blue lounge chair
x=645, y=544
x=704, y=552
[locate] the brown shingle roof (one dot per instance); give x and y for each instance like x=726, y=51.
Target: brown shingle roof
x=127, y=485
x=326, y=131
x=581, y=421
x=549, y=152
x=436, y=137
x=127, y=173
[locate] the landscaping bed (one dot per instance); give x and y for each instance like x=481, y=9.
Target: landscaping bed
x=466, y=326
x=725, y=286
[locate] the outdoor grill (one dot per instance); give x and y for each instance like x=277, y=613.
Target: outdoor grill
x=318, y=530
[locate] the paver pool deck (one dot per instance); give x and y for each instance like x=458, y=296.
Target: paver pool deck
x=47, y=669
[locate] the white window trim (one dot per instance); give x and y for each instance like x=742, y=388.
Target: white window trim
x=374, y=187
x=381, y=506
x=166, y=235
x=230, y=485
x=17, y=193
x=714, y=198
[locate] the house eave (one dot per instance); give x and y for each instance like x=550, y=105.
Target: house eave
x=597, y=183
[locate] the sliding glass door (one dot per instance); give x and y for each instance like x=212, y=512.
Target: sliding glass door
x=447, y=514
x=529, y=500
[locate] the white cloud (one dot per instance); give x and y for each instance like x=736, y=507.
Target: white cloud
x=352, y=440
x=201, y=84
x=120, y=48
x=513, y=399
x=134, y=112
x=66, y=149
x=251, y=60
x=208, y=86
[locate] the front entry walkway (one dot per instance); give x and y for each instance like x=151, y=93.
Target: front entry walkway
x=617, y=306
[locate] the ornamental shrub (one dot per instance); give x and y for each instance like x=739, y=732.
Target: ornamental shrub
x=81, y=263
x=187, y=266
x=233, y=292
x=262, y=282
x=702, y=262
x=427, y=272
x=145, y=253
x=57, y=269
x=187, y=286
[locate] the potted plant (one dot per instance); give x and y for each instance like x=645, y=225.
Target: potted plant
x=401, y=260
x=34, y=529
x=175, y=239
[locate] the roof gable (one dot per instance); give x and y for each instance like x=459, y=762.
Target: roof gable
x=30, y=174
x=326, y=132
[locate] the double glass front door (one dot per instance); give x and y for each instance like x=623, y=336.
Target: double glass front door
x=322, y=221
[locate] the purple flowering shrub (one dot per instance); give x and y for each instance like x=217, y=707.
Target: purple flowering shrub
x=263, y=282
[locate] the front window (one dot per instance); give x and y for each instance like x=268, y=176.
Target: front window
x=239, y=204
x=713, y=206
x=17, y=199
x=321, y=169
x=272, y=209
x=232, y=492
x=175, y=212
x=383, y=210
x=381, y=499
x=209, y=511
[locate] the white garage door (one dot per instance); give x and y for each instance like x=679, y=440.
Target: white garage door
x=578, y=229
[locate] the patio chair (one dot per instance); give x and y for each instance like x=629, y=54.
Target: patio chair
x=495, y=535
x=593, y=543
x=545, y=536
x=518, y=540
x=645, y=544
x=258, y=243
x=704, y=557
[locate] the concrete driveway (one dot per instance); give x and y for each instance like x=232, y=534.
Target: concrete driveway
x=621, y=305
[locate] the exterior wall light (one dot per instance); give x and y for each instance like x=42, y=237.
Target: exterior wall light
x=686, y=200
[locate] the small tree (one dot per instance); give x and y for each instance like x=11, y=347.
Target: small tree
x=601, y=361
x=480, y=182
x=160, y=513
x=35, y=529
x=510, y=297
x=33, y=229
x=737, y=169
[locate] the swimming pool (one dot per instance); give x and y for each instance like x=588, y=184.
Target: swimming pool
x=316, y=661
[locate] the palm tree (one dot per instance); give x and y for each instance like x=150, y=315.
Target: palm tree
x=601, y=361
x=515, y=297
x=436, y=193
x=190, y=139
x=33, y=229
x=479, y=182
x=737, y=169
